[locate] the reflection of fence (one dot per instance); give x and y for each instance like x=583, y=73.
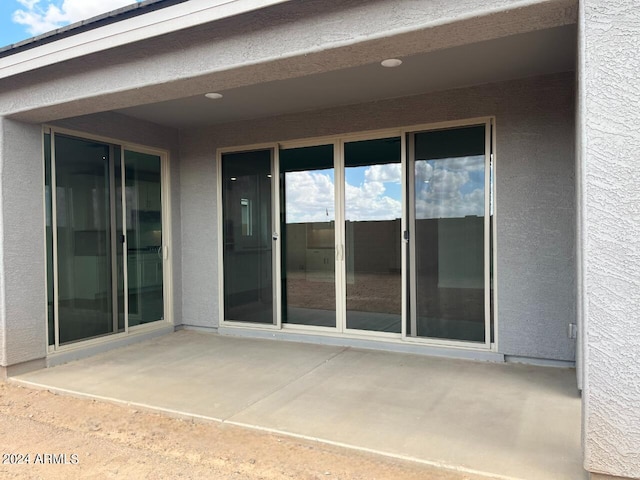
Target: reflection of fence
x=374, y=246
x=450, y=252
x=371, y=246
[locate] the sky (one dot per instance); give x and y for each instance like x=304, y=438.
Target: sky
x=23, y=19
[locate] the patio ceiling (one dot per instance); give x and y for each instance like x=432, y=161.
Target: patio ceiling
x=529, y=54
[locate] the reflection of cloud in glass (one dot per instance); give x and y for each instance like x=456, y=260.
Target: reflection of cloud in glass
x=450, y=187
x=371, y=200
x=445, y=188
x=310, y=194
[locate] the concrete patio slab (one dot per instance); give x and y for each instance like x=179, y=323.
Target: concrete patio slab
x=510, y=421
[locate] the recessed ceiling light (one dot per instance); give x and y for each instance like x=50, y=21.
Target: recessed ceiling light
x=391, y=62
x=233, y=179
x=213, y=95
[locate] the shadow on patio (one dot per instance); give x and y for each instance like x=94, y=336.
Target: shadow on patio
x=509, y=421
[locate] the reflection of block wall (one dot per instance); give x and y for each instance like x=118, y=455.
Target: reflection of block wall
x=450, y=268
x=375, y=246
x=296, y=238
x=461, y=252
x=450, y=251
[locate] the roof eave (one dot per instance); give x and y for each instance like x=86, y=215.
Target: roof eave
x=118, y=28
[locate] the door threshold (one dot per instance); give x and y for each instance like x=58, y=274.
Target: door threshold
x=84, y=349
x=389, y=345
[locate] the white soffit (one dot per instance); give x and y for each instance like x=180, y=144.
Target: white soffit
x=151, y=24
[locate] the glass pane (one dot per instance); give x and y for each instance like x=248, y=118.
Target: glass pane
x=449, y=233
x=49, y=239
x=246, y=203
x=84, y=202
x=119, y=239
x=373, y=212
x=144, y=237
x=307, y=202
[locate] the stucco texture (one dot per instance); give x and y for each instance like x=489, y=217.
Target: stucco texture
x=610, y=125
x=535, y=198
x=22, y=259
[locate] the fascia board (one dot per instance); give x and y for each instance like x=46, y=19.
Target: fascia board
x=152, y=24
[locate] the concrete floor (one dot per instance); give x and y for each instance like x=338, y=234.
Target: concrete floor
x=510, y=421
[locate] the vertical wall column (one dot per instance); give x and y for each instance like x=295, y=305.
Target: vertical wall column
x=609, y=186
x=22, y=253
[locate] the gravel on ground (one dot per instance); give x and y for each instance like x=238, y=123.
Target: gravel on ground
x=76, y=438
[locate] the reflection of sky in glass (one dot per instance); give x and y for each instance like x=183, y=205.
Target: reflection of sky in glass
x=445, y=188
x=310, y=196
x=373, y=192
x=450, y=187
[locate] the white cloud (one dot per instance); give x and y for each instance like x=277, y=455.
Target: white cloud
x=28, y=3
x=390, y=172
x=40, y=16
x=310, y=196
x=368, y=200
x=445, y=188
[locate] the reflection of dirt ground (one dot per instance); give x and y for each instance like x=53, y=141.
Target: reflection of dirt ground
x=371, y=292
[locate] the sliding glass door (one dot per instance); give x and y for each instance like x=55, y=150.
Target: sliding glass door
x=89, y=295
x=145, y=255
x=307, y=202
x=248, y=255
x=449, y=258
x=104, y=268
x=372, y=235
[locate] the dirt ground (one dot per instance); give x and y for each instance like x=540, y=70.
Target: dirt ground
x=103, y=440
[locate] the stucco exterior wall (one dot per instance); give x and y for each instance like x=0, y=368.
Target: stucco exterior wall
x=22, y=258
x=534, y=203
x=610, y=139
x=127, y=129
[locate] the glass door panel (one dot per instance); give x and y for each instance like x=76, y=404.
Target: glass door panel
x=307, y=190
x=85, y=212
x=247, y=236
x=373, y=213
x=448, y=246
x=143, y=199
